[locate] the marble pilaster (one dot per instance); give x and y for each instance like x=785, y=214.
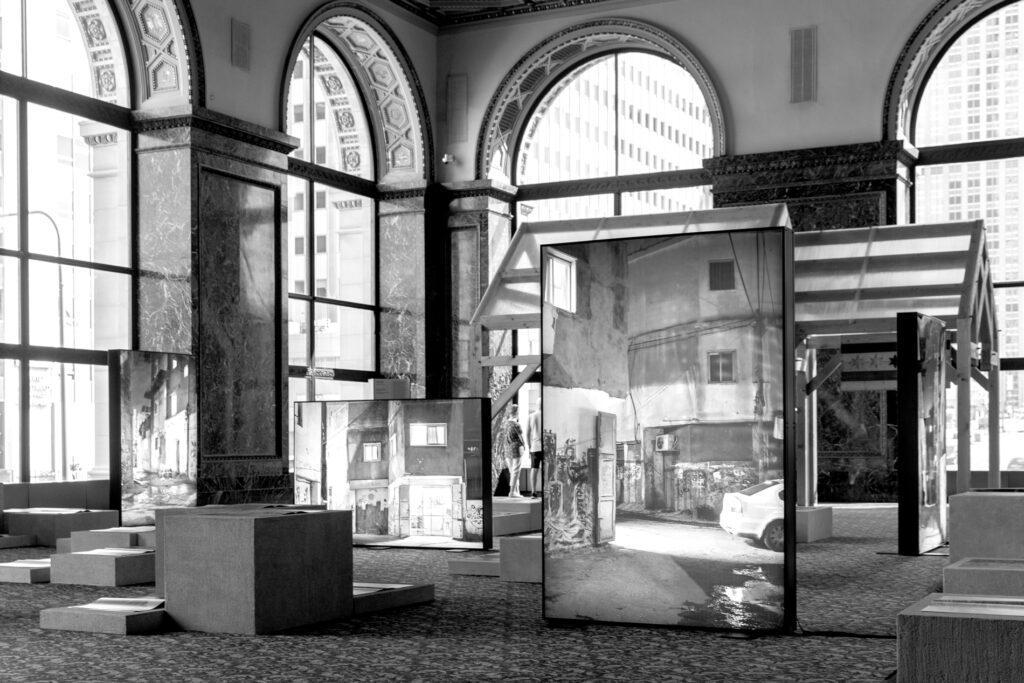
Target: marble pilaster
x=826, y=187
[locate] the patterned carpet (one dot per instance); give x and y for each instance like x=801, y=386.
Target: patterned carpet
x=850, y=589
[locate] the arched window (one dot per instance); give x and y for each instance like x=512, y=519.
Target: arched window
x=66, y=254
x=627, y=113
x=333, y=314
x=968, y=130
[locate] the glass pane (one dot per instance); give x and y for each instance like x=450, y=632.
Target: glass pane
x=344, y=132
x=298, y=332
x=336, y=390
x=10, y=37
x=1011, y=426
x=78, y=180
x=345, y=338
x=10, y=421
x=10, y=301
x=344, y=245
x=667, y=201
x=69, y=421
x=298, y=275
x=593, y=206
x=986, y=190
x=973, y=93
x=8, y=162
x=58, y=54
x=297, y=391
x=650, y=117
x=297, y=109
x=96, y=307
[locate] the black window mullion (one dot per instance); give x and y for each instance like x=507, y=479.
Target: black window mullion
x=24, y=452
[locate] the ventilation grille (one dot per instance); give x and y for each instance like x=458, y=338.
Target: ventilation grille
x=803, y=64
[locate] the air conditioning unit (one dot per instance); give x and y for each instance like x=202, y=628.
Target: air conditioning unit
x=665, y=442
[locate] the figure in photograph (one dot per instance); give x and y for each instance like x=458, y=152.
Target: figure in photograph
x=536, y=441
x=511, y=440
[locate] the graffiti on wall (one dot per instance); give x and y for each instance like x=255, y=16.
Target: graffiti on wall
x=700, y=487
x=569, y=513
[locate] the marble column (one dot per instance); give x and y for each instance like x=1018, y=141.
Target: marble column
x=211, y=237
x=826, y=187
x=479, y=227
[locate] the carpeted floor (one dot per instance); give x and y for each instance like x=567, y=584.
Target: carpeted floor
x=850, y=589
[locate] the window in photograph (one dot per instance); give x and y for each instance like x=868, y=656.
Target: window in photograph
x=721, y=275
x=371, y=452
x=428, y=434
x=721, y=366
x=560, y=281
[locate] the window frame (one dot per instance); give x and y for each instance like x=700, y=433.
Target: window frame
x=713, y=371
x=313, y=175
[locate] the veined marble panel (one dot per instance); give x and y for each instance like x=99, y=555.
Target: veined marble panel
x=165, y=254
x=237, y=340
x=402, y=293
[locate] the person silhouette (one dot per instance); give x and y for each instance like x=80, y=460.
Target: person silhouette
x=535, y=440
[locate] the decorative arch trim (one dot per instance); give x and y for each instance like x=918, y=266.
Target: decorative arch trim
x=555, y=58
x=392, y=88
x=927, y=45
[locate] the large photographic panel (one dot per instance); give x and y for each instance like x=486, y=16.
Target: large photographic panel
x=414, y=472
x=153, y=411
x=667, y=398
x=921, y=358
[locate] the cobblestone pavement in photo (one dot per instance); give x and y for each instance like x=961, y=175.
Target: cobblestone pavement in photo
x=850, y=588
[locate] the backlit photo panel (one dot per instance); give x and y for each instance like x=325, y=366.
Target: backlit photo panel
x=414, y=472
x=667, y=394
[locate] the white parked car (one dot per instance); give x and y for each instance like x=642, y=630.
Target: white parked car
x=756, y=513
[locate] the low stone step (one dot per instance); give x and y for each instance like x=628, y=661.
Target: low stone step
x=115, y=537
x=104, y=567
x=17, y=540
x=26, y=571
x=984, y=576
x=375, y=597
x=119, y=616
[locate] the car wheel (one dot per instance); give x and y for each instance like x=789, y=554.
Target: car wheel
x=774, y=536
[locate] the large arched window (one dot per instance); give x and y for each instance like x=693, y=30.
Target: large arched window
x=625, y=113
x=332, y=228
x=66, y=255
x=968, y=130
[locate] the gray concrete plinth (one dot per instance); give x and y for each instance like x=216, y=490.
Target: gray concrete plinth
x=488, y=564
x=19, y=541
x=47, y=525
x=117, y=537
x=969, y=645
x=11, y=572
x=390, y=598
x=813, y=523
x=984, y=576
x=256, y=571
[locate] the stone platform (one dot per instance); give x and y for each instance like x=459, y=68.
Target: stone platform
x=375, y=597
x=984, y=576
x=522, y=558
x=49, y=524
x=115, y=537
x=107, y=615
x=475, y=564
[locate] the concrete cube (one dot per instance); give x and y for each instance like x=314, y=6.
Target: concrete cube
x=522, y=558
x=93, y=568
x=986, y=524
x=487, y=564
x=960, y=638
x=20, y=541
x=256, y=570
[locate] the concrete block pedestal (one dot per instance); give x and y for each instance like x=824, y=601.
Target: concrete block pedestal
x=25, y=571
x=522, y=558
x=371, y=597
x=476, y=564
x=813, y=523
x=960, y=638
x=986, y=524
x=255, y=571
x=116, y=537
x=19, y=541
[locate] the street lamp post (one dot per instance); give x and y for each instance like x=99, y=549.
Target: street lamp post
x=60, y=337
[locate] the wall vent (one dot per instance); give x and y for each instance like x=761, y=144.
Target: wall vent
x=240, y=44
x=803, y=64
